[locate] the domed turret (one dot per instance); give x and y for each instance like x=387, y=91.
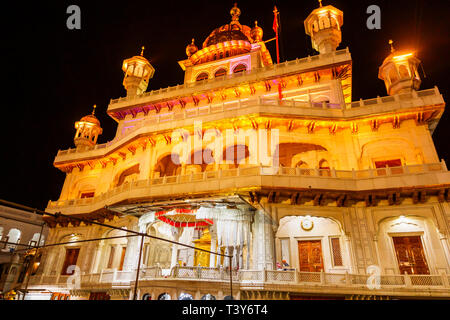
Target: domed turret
x=256, y=33
x=137, y=73
x=88, y=130
x=399, y=71
x=191, y=48
x=324, y=27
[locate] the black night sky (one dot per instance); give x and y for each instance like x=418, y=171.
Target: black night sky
x=52, y=76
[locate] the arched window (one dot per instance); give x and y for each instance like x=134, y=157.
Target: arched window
x=33, y=242
x=208, y=296
x=164, y=296
x=240, y=68
x=403, y=70
x=393, y=75
x=221, y=72
x=185, y=296
x=202, y=76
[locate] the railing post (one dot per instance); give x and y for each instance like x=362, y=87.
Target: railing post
x=114, y=278
x=322, y=277
x=408, y=282
x=219, y=174
x=445, y=281
x=57, y=278
x=371, y=172
x=333, y=172
x=353, y=173
x=100, y=277
x=264, y=275
x=347, y=278
x=388, y=171
x=296, y=276
x=316, y=171
x=405, y=169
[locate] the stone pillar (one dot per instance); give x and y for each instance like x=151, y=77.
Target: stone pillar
x=132, y=253
x=263, y=244
x=97, y=257
x=212, y=257
x=173, y=261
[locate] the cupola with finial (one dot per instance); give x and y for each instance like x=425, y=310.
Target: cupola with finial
x=137, y=73
x=399, y=71
x=323, y=25
x=191, y=48
x=256, y=33
x=88, y=130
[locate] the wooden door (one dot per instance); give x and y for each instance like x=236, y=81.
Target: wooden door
x=410, y=255
x=122, y=258
x=310, y=255
x=71, y=259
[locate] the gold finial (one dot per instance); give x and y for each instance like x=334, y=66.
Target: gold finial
x=193, y=41
x=392, y=46
x=142, y=51
x=320, y=3
x=275, y=9
x=256, y=23
x=235, y=12
x=93, y=110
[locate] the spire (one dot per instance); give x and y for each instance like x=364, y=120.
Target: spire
x=137, y=73
x=323, y=25
x=93, y=110
x=235, y=13
x=392, y=45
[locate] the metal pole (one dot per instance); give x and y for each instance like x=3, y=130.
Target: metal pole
x=231, y=279
x=32, y=263
x=138, y=268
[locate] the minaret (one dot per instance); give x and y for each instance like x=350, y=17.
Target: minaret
x=399, y=71
x=137, y=73
x=88, y=130
x=323, y=25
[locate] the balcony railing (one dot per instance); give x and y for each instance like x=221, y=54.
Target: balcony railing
x=192, y=112
x=252, y=278
x=352, y=175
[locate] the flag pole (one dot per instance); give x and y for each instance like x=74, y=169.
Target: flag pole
x=275, y=28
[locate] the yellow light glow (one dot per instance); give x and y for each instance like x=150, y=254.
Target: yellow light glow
x=403, y=56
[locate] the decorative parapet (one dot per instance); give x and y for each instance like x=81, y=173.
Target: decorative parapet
x=258, y=74
x=209, y=182
x=171, y=120
x=431, y=285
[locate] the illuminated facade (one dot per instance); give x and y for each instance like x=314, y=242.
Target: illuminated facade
x=311, y=194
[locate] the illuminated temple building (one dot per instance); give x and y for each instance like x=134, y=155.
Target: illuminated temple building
x=312, y=194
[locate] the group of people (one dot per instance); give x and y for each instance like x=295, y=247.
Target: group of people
x=283, y=265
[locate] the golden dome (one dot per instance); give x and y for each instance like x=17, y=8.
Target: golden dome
x=91, y=118
x=226, y=41
x=256, y=33
x=191, y=49
x=232, y=31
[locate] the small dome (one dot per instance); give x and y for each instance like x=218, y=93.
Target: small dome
x=256, y=33
x=191, y=48
x=91, y=118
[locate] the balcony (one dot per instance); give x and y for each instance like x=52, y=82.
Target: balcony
x=270, y=280
x=209, y=182
x=172, y=120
